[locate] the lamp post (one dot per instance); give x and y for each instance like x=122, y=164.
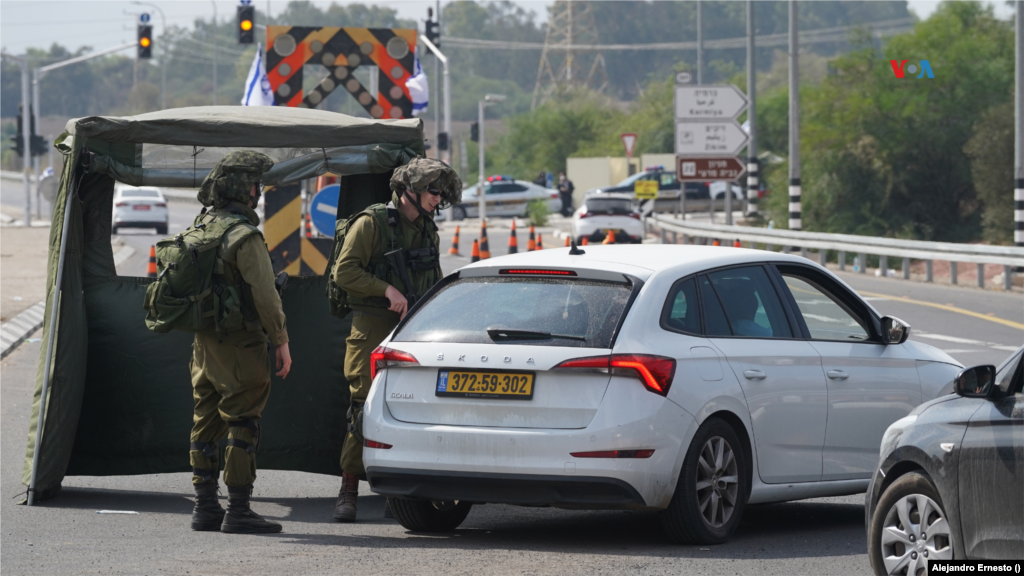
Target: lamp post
x=163, y=58
x=214, y=41
x=489, y=100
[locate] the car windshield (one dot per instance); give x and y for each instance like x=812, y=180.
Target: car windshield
x=584, y=310
x=633, y=179
x=609, y=206
x=139, y=193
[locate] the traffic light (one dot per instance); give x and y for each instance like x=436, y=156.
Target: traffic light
x=145, y=43
x=19, y=138
x=433, y=32
x=36, y=142
x=442, y=141
x=246, y=24
x=474, y=131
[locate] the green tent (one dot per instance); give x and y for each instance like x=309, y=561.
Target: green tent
x=118, y=397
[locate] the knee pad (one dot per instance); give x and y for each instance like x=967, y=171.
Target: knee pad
x=253, y=426
x=209, y=450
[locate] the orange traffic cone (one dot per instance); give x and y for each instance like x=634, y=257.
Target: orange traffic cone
x=513, y=243
x=610, y=238
x=474, y=256
x=531, y=243
x=485, y=249
x=540, y=242
x=566, y=241
x=716, y=243
x=455, y=243
x=151, y=267
x=309, y=226
x=737, y=244
x=585, y=242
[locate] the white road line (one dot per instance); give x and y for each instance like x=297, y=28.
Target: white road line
x=968, y=341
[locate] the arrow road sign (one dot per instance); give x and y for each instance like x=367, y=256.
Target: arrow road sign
x=709, y=102
x=709, y=138
x=323, y=209
x=728, y=168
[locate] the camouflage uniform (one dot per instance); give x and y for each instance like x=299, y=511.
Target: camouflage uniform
x=231, y=370
x=365, y=286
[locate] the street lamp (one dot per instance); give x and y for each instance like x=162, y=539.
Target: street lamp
x=163, y=57
x=489, y=100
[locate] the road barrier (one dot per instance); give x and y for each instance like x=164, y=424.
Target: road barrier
x=1009, y=257
x=531, y=243
x=485, y=248
x=474, y=255
x=151, y=267
x=455, y=243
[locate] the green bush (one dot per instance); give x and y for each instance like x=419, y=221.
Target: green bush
x=537, y=212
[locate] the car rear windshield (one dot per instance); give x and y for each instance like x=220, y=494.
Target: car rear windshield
x=609, y=206
x=139, y=193
x=587, y=311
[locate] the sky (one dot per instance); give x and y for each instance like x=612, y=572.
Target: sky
x=106, y=23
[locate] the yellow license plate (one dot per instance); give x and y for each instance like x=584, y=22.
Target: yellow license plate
x=491, y=385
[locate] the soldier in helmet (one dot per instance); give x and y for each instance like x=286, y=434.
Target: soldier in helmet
x=231, y=367
x=380, y=289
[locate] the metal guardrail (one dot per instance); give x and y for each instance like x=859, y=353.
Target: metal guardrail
x=1007, y=256
x=11, y=175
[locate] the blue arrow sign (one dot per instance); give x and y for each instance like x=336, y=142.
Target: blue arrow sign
x=144, y=17
x=324, y=209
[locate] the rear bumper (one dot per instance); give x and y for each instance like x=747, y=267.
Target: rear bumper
x=523, y=489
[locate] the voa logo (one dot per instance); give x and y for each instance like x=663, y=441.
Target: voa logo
x=899, y=67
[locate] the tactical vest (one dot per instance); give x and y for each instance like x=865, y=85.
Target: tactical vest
x=423, y=267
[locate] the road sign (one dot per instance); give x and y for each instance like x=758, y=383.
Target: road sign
x=709, y=138
x=684, y=78
x=144, y=18
x=709, y=102
x=695, y=169
x=645, y=189
x=323, y=209
x=629, y=141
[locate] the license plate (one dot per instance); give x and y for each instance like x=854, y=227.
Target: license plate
x=490, y=385
x=140, y=207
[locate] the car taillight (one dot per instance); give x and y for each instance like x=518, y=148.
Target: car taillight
x=585, y=214
x=655, y=372
x=384, y=357
x=634, y=215
x=535, y=272
x=121, y=204
x=554, y=196
x=614, y=454
x=367, y=443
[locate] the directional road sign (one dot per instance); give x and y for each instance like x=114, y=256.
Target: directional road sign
x=709, y=138
x=144, y=18
x=324, y=209
x=629, y=143
x=709, y=102
x=697, y=169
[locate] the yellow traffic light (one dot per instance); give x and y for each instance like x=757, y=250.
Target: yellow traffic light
x=246, y=25
x=144, y=42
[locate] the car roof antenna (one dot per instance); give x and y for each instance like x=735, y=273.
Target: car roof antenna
x=573, y=249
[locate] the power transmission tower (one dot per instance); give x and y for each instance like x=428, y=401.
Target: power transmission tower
x=562, y=65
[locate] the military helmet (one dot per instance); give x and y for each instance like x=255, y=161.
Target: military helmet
x=233, y=177
x=421, y=173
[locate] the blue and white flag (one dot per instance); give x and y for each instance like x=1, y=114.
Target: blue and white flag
x=257, y=86
x=418, y=89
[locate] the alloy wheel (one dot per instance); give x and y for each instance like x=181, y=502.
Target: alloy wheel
x=717, y=482
x=915, y=531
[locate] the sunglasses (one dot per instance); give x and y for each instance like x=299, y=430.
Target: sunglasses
x=434, y=191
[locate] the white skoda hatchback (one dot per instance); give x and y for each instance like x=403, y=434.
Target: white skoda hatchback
x=687, y=379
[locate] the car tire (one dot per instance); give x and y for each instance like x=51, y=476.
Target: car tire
x=894, y=546
x=458, y=213
x=686, y=521
x=429, y=515
x=162, y=230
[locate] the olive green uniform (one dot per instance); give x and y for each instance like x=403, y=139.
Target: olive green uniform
x=371, y=319
x=231, y=371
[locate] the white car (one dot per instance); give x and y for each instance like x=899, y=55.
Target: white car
x=687, y=379
x=717, y=190
x=140, y=207
x=602, y=213
x=505, y=197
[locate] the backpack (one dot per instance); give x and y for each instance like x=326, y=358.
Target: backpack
x=191, y=292
x=338, y=298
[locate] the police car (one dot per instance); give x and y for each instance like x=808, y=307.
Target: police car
x=505, y=196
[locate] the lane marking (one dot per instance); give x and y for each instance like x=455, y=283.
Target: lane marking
x=968, y=341
x=1002, y=321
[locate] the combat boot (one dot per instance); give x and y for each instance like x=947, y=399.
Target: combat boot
x=208, y=513
x=240, y=519
x=345, y=507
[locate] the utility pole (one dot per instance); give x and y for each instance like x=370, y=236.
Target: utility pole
x=752, y=175
x=437, y=91
x=700, y=43
x=1018, y=141
x=489, y=100
x=213, y=40
x=795, y=212
x=26, y=139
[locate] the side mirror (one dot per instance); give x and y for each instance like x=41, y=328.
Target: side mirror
x=894, y=330
x=976, y=382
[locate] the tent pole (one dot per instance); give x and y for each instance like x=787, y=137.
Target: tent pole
x=54, y=312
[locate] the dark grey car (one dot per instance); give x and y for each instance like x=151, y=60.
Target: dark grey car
x=950, y=481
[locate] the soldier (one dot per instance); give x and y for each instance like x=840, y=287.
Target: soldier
x=231, y=367
x=389, y=259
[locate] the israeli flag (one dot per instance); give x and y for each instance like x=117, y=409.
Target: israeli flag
x=257, y=86
x=418, y=89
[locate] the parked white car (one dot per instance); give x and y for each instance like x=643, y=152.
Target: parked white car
x=717, y=190
x=140, y=207
x=603, y=213
x=687, y=379
x=505, y=197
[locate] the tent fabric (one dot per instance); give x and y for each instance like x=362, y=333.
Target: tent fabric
x=120, y=397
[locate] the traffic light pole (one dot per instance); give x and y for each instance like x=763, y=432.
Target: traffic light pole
x=26, y=132
x=447, y=95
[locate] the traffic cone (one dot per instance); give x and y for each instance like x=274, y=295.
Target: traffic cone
x=531, y=243
x=540, y=242
x=610, y=238
x=485, y=249
x=513, y=243
x=151, y=267
x=716, y=243
x=566, y=241
x=309, y=226
x=474, y=256
x=585, y=242
x=455, y=243
x=737, y=244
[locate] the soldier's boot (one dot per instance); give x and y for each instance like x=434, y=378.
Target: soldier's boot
x=240, y=518
x=387, y=508
x=345, y=507
x=208, y=514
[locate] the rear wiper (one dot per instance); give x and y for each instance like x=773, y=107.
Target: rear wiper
x=502, y=334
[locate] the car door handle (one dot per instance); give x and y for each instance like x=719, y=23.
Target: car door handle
x=837, y=375
x=753, y=375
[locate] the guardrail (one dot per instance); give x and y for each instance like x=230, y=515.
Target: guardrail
x=9, y=175
x=1009, y=257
